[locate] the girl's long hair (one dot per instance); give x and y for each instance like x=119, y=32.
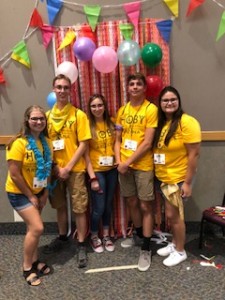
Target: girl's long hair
x=162, y=117
x=25, y=129
x=106, y=116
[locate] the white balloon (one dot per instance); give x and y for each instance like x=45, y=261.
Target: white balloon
x=69, y=69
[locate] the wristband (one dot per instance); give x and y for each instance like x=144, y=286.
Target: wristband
x=93, y=179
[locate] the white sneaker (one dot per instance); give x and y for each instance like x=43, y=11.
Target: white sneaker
x=165, y=251
x=132, y=241
x=96, y=245
x=108, y=244
x=175, y=258
x=144, y=261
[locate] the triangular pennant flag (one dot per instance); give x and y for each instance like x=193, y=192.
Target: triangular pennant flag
x=85, y=31
x=133, y=11
x=54, y=7
x=20, y=54
x=2, y=79
x=127, y=30
x=221, y=29
x=47, y=33
x=164, y=28
x=36, y=20
x=173, y=6
x=69, y=38
x=193, y=4
x=92, y=12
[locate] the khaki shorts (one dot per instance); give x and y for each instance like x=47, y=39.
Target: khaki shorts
x=137, y=183
x=77, y=190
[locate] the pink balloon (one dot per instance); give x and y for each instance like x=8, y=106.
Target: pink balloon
x=154, y=86
x=105, y=59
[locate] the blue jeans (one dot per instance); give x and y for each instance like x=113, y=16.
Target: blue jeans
x=101, y=203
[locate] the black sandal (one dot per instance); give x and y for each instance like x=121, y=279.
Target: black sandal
x=42, y=271
x=31, y=280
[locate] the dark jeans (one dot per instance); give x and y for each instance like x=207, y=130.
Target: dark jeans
x=101, y=202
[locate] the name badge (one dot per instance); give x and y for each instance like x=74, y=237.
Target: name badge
x=58, y=145
x=159, y=159
x=39, y=183
x=106, y=161
x=130, y=145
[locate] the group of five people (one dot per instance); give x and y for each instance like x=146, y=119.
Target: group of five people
x=53, y=152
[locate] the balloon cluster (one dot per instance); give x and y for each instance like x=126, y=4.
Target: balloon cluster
x=105, y=60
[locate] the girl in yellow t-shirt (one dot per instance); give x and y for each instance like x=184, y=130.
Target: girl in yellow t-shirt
x=176, y=150
x=29, y=158
x=102, y=171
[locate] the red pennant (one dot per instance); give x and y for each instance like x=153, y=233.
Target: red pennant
x=2, y=79
x=193, y=4
x=36, y=20
x=86, y=31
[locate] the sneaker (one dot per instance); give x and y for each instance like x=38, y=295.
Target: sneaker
x=165, y=251
x=174, y=258
x=144, y=261
x=55, y=246
x=82, y=257
x=96, y=245
x=108, y=244
x=133, y=241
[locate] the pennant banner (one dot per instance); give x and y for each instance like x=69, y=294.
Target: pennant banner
x=193, y=4
x=173, y=6
x=164, y=28
x=69, y=38
x=20, y=54
x=47, y=33
x=2, y=79
x=127, y=31
x=133, y=12
x=92, y=13
x=36, y=20
x=221, y=29
x=54, y=7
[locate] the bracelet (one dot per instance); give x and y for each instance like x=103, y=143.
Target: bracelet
x=93, y=179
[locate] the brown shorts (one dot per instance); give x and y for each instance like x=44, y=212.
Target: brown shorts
x=137, y=183
x=77, y=190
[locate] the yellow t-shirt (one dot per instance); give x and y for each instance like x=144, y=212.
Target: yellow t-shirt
x=19, y=152
x=175, y=167
x=76, y=129
x=101, y=146
x=134, y=121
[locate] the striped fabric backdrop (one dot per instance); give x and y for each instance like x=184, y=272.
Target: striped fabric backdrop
x=112, y=85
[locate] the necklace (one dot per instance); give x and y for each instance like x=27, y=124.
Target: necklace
x=43, y=161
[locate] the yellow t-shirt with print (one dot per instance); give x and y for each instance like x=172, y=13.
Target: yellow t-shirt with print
x=175, y=167
x=133, y=122
x=75, y=129
x=101, y=146
x=19, y=152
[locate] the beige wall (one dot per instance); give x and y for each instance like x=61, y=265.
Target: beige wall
x=197, y=71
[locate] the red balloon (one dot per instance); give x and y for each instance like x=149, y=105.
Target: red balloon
x=154, y=86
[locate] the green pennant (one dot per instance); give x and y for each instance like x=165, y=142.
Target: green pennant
x=127, y=30
x=221, y=29
x=92, y=12
x=20, y=54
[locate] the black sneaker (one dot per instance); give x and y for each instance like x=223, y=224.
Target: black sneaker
x=82, y=257
x=55, y=246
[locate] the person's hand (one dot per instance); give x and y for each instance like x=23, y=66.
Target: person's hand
x=123, y=168
x=186, y=190
x=63, y=173
x=95, y=185
x=34, y=200
x=42, y=201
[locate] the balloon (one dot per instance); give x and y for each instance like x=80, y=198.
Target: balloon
x=105, y=59
x=69, y=69
x=154, y=86
x=151, y=54
x=84, y=48
x=51, y=99
x=128, y=53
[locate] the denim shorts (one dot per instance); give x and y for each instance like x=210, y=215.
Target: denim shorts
x=20, y=201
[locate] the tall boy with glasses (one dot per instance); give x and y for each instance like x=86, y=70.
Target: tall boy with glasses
x=69, y=131
x=135, y=127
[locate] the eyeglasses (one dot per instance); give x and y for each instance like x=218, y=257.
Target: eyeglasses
x=62, y=87
x=100, y=105
x=166, y=101
x=35, y=119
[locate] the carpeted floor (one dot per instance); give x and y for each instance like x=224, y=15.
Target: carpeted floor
x=188, y=280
